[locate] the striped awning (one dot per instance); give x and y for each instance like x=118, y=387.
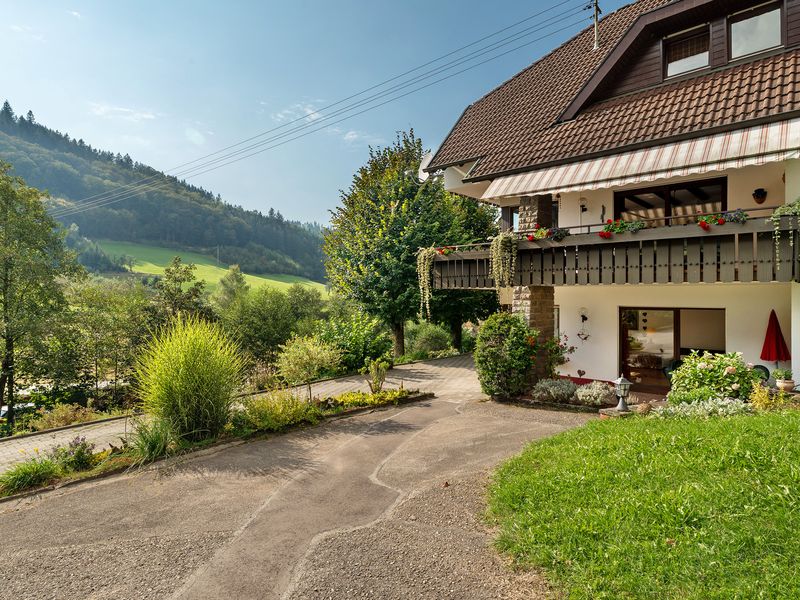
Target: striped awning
x=741, y=148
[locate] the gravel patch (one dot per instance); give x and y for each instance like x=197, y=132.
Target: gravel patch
x=433, y=545
x=122, y=569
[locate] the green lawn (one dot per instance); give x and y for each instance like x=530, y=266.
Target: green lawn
x=646, y=508
x=152, y=260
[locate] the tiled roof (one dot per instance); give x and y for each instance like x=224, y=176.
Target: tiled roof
x=514, y=127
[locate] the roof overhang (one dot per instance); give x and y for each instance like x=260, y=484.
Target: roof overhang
x=755, y=145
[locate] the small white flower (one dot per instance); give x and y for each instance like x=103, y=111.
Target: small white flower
x=735, y=386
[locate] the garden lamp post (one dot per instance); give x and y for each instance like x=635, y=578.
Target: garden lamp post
x=622, y=387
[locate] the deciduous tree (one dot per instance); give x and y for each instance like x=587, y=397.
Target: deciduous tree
x=32, y=259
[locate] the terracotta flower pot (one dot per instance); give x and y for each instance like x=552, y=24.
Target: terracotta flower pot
x=787, y=385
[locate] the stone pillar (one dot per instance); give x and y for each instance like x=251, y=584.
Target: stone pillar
x=535, y=209
x=536, y=304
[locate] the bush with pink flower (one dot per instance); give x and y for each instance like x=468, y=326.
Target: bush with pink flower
x=724, y=375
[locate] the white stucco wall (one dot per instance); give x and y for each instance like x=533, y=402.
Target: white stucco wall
x=747, y=309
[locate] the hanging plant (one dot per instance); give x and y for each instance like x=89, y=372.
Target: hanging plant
x=425, y=258
x=787, y=210
x=503, y=259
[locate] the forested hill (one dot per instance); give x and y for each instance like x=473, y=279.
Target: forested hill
x=174, y=213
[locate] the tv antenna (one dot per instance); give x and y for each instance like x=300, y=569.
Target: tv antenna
x=597, y=13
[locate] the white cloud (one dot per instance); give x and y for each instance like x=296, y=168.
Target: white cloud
x=194, y=136
x=354, y=137
x=75, y=14
x=27, y=32
x=306, y=111
x=108, y=111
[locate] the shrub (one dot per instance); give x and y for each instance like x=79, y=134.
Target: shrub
x=376, y=374
x=700, y=394
x=304, y=359
x=555, y=352
x=425, y=338
x=554, y=390
x=503, y=355
x=61, y=415
x=151, y=440
x=783, y=374
x=354, y=399
x=276, y=411
x=764, y=398
x=703, y=409
x=359, y=337
x=78, y=455
x=36, y=472
x=726, y=374
x=187, y=377
x=595, y=393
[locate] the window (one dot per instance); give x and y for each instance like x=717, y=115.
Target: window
x=686, y=51
x=677, y=204
x=755, y=30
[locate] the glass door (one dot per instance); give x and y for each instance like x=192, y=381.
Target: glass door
x=648, y=345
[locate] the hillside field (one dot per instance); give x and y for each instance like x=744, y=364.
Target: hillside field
x=152, y=260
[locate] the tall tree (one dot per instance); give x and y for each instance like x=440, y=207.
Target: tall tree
x=32, y=259
x=385, y=217
x=472, y=222
x=178, y=291
x=232, y=287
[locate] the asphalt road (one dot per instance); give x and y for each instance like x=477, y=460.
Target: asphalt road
x=385, y=504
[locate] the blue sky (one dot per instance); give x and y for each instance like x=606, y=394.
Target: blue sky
x=168, y=82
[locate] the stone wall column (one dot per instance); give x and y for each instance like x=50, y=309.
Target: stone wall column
x=536, y=304
x=535, y=209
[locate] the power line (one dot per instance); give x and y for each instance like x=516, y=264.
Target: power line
x=143, y=186
x=155, y=187
x=105, y=195
x=229, y=159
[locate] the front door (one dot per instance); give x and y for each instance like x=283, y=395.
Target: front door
x=649, y=344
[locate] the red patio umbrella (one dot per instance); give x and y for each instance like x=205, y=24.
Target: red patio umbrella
x=774, y=348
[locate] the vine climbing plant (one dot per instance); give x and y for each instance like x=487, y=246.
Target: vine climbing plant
x=503, y=259
x=425, y=258
x=787, y=210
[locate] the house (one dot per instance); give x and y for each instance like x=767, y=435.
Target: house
x=686, y=108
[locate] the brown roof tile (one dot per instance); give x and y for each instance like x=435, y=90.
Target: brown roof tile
x=515, y=126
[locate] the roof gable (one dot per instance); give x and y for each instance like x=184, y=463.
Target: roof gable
x=554, y=111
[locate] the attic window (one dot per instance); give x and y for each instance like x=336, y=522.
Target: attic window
x=686, y=52
x=755, y=30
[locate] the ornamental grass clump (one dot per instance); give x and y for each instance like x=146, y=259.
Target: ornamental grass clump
x=152, y=439
x=187, y=377
x=722, y=376
x=36, y=472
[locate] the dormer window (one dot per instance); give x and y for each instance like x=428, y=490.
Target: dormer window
x=755, y=30
x=686, y=51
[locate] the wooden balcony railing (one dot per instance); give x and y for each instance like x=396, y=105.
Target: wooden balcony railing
x=678, y=254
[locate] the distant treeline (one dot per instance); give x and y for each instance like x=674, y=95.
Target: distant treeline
x=175, y=214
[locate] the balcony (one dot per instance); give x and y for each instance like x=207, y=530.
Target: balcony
x=676, y=254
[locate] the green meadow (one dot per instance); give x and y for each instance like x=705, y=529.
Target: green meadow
x=152, y=260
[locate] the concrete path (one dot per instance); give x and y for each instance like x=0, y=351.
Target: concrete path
x=385, y=504
x=429, y=376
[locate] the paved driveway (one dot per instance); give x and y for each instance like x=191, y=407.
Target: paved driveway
x=385, y=504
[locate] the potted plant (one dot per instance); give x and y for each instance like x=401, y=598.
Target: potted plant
x=783, y=379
